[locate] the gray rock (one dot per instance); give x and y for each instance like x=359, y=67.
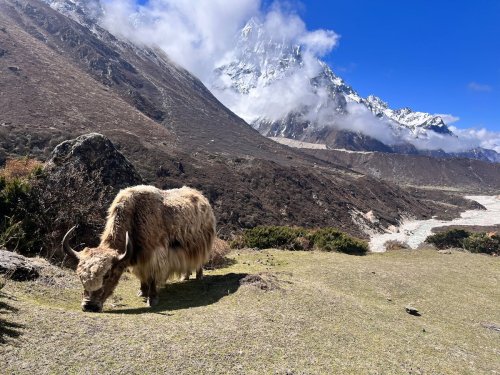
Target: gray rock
x=412, y=311
x=94, y=154
x=17, y=267
x=79, y=182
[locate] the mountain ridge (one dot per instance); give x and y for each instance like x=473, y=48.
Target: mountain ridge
x=328, y=105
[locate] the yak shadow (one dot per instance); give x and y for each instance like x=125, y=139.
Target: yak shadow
x=191, y=293
x=8, y=329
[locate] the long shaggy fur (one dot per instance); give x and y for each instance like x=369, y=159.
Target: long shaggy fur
x=172, y=231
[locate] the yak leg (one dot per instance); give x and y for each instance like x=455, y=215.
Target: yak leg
x=199, y=273
x=187, y=275
x=144, y=291
x=153, y=298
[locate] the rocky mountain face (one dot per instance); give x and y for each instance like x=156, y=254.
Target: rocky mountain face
x=418, y=122
x=86, y=12
x=328, y=106
x=466, y=174
x=62, y=77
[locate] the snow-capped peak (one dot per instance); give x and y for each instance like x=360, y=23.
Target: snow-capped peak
x=262, y=60
x=376, y=103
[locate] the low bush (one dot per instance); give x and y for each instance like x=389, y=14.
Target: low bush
x=330, y=239
x=482, y=243
x=266, y=237
x=448, y=239
x=473, y=242
x=17, y=227
x=297, y=238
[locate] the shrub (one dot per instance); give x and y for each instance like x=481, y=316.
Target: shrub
x=330, y=239
x=266, y=237
x=473, y=242
x=482, y=243
x=296, y=238
x=17, y=228
x=21, y=169
x=450, y=238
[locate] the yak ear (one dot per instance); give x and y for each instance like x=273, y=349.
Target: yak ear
x=129, y=249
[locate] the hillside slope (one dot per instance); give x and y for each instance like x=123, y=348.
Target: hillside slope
x=457, y=174
x=60, y=79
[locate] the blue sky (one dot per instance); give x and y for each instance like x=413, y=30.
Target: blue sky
x=437, y=56
x=440, y=56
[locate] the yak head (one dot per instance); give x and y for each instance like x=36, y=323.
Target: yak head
x=99, y=270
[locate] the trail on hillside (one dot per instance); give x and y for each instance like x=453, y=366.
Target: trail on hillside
x=414, y=232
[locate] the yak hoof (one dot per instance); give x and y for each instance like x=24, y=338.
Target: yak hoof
x=153, y=301
x=199, y=275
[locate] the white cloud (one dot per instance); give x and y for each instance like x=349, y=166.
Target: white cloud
x=479, y=137
x=193, y=33
x=479, y=87
x=319, y=42
x=448, y=118
x=200, y=34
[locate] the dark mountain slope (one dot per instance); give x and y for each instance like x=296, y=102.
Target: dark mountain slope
x=144, y=78
x=454, y=174
x=59, y=80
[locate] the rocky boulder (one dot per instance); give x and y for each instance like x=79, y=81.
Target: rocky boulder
x=17, y=267
x=79, y=183
x=96, y=157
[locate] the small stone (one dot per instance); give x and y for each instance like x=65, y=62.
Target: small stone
x=412, y=311
x=444, y=251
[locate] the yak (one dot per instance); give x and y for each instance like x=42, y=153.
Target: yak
x=157, y=234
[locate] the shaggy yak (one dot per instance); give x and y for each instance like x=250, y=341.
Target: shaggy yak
x=156, y=233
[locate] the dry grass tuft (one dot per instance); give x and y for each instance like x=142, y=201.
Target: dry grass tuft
x=218, y=258
x=21, y=168
x=392, y=245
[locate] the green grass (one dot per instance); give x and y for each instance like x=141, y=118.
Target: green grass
x=330, y=313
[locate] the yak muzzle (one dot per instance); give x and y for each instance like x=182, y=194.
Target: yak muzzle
x=91, y=307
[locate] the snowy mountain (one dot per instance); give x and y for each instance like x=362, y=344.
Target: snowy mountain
x=85, y=12
x=282, y=90
x=416, y=121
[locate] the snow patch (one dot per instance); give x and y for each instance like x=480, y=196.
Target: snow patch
x=414, y=232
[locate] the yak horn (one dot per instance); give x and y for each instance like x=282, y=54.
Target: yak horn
x=129, y=248
x=65, y=245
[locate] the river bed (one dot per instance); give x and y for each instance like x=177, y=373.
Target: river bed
x=414, y=232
